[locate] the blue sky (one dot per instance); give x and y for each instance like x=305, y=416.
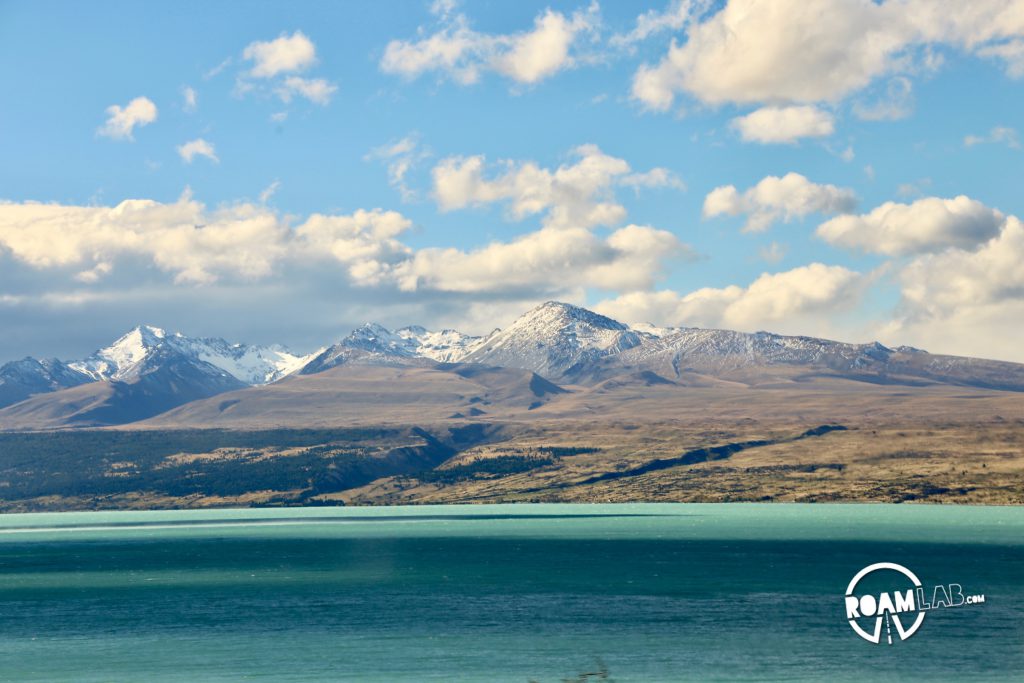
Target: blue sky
x=471, y=160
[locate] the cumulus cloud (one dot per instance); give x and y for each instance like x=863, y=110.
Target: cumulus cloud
x=927, y=225
x=630, y=258
x=804, y=51
x=457, y=51
x=196, y=245
x=197, y=147
x=966, y=301
x=182, y=239
x=784, y=124
x=285, y=54
x=782, y=301
x=365, y=242
x=251, y=242
x=316, y=90
x=121, y=121
x=773, y=198
x=573, y=195
x=278, y=63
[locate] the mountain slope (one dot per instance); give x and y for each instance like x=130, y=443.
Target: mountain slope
x=249, y=364
x=556, y=340
x=762, y=358
x=143, y=373
x=21, y=379
x=371, y=394
x=158, y=383
x=372, y=344
x=389, y=373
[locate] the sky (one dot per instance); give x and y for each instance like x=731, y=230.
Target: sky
x=275, y=172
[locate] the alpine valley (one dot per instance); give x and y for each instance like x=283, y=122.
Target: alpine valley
x=562, y=405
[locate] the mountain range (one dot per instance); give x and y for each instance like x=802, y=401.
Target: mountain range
x=374, y=373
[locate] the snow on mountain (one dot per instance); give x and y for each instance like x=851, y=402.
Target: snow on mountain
x=116, y=362
x=22, y=378
x=156, y=370
x=446, y=346
x=251, y=364
x=651, y=330
x=374, y=344
x=125, y=358
x=556, y=339
x=720, y=351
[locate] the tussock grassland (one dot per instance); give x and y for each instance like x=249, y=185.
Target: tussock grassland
x=940, y=445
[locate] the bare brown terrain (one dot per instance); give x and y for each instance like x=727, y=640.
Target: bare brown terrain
x=634, y=441
x=942, y=462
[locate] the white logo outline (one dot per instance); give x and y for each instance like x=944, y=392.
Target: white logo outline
x=876, y=637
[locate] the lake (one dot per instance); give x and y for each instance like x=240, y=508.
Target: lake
x=646, y=592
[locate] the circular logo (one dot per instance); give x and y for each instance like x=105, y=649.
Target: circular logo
x=892, y=608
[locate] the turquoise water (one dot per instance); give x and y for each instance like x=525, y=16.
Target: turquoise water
x=499, y=593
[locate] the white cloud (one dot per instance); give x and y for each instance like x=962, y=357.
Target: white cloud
x=250, y=242
x=998, y=135
x=182, y=238
x=197, y=147
x=551, y=259
x=95, y=273
x=195, y=245
x=804, y=51
x=770, y=125
x=773, y=198
x=190, y=98
x=276, y=65
x=400, y=157
x=1012, y=53
x=459, y=52
x=121, y=121
x=571, y=196
x=285, y=54
x=787, y=301
x=965, y=301
x=365, y=242
x=317, y=90
x=927, y=225
x=674, y=17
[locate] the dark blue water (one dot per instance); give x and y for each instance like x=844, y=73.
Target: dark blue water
x=500, y=593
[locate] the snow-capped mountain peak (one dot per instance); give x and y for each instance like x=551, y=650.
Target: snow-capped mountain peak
x=446, y=346
x=125, y=354
x=127, y=357
x=555, y=338
x=372, y=343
